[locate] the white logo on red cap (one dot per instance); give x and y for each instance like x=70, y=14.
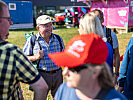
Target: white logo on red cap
x=76, y=48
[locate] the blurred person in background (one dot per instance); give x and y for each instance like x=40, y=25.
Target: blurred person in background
x=89, y=23
x=112, y=39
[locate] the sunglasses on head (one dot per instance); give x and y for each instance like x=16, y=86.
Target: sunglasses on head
x=83, y=15
x=78, y=68
x=87, y=14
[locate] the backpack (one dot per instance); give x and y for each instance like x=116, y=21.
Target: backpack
x=33, y=38
x=108, y=36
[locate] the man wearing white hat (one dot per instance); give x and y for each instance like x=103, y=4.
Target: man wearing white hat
x=46, y=42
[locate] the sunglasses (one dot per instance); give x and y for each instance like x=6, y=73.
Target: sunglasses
x=78, y=68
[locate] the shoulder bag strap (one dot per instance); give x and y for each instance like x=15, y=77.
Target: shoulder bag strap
x=59, y=39
x=108, y=36
x=33, y=39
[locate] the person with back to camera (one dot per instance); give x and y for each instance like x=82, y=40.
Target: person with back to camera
x=46, y=42
x=14, y=65
x=90, y=23
x=112, y=39
x=87, y=74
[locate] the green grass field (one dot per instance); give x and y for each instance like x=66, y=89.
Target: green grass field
x=17, y=37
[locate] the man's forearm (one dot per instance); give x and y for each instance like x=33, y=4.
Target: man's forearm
x=117, y=63
x=116, y=59
x=40, y=95
x=40, y=89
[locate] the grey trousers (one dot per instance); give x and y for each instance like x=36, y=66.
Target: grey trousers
x=53, y=80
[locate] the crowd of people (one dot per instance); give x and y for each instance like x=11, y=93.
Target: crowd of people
x=87, y=62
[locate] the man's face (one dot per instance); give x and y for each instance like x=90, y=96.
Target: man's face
x=45, y=29
x=98, y=15
x=5, y=23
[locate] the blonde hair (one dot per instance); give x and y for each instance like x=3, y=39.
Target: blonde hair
x=105, y=78
x=91, y=24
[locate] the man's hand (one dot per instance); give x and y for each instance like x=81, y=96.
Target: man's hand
x=120, y=89
x=39, y=55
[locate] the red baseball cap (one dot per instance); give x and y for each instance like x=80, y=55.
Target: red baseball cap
x=81, y=49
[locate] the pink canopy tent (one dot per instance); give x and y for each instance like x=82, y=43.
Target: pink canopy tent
x=117, y=13
x=86, y=1
x=103, y=1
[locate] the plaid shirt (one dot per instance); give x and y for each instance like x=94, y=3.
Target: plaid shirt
x=14, y=67
x=54, y=46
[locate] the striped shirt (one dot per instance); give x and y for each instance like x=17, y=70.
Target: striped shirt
x=14, y=67
x=54, y=46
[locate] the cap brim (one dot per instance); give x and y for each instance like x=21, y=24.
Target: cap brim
x=65, y=59
x=45, y=22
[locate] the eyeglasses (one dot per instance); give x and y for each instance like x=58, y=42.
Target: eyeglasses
x=78, y=68
x=47, y=25
x=8, y=18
